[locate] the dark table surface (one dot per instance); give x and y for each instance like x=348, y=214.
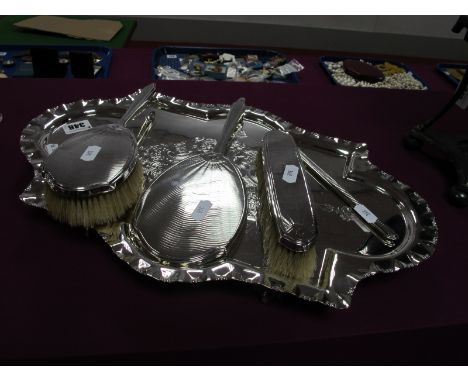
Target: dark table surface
x=65, y=297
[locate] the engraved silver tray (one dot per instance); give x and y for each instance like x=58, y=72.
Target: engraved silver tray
x=176, y=129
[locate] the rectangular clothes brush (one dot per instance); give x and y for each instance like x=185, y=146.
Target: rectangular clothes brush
x=287, y=218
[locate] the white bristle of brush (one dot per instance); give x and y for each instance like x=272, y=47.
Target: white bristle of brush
x=98, y=209
x=298, y=266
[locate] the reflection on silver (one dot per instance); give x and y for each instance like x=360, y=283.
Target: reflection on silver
x=251, y=276
x=166, y=273
x=223, y=270
x=143, y=264
x=346, y=253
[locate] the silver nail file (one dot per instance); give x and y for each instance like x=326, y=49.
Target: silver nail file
x=288, y=195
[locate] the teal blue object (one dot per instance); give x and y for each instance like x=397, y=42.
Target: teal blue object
x=23, y=69
x=218, y=72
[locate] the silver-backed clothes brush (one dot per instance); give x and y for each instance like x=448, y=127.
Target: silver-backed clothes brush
x=283, y=256
x=287, y=216
x=94, y=177
x=194, y=212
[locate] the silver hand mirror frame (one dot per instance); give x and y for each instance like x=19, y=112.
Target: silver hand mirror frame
x=182, y=127
x=194, y=212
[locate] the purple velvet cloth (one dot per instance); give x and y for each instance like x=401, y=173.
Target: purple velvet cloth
x=65, y=296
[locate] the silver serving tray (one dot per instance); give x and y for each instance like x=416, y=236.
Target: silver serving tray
x=176, y=129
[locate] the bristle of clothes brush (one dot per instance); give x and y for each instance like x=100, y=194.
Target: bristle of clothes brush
x=287, y=219
x=101, y=209
x=280, y=260
x=94, y=177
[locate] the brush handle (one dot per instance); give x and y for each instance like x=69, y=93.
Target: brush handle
x=137, y=103
x=234, y=116
x=383, y=232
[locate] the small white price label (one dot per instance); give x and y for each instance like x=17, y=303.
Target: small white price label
x=365, y=213
x=231, y=72
x=90, y=153
x=171, y=56
x=201, y=210
x=463, y=101
x=75, y=127
x=290, y=173
x=51, y=147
